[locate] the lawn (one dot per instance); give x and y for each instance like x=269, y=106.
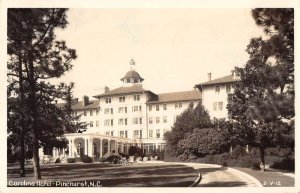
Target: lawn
x=270, y=178
x=107, y=175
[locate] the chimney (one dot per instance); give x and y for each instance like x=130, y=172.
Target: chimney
x=85, y=100
x=209, y=76
x=106, y=88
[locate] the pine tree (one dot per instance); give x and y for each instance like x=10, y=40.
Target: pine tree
x=36, y=56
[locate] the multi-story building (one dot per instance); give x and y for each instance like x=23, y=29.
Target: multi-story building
x=125, y=116
x=215, y=94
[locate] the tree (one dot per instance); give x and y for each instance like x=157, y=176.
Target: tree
x=36, y=56
x=261, y=109
x=184, y=126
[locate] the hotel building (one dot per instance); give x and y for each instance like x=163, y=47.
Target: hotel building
x=125, y=116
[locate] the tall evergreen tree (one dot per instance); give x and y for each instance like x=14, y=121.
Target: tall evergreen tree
x=261, y=109
x=36, y=56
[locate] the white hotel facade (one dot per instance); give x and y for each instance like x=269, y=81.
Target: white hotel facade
x=132, y=115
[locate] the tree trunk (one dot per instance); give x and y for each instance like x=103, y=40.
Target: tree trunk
x=22, y=132
x=262, y=158
x=33, y=108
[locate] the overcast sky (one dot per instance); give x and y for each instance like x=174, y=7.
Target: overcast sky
x=174, y=49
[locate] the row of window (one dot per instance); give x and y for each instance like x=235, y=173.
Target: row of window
x=136, y=133
x=137, y=108
x=86, y=112
x=218, y=106
x=157, y=119
x=122, y=99
x=123, y=121
x=157, y=106
x=218, y=88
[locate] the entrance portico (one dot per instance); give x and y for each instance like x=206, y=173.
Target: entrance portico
x=96, y=144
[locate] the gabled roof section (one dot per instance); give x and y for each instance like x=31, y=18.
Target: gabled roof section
x=224, y=79
x=123, y=90
x=93, y=104
x=177, y=96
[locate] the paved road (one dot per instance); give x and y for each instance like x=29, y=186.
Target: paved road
x=218, y=176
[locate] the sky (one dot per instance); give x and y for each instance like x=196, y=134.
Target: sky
x=173, y=49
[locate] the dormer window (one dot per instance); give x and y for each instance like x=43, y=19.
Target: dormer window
x=107, y=100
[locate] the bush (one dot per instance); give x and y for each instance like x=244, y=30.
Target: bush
x=124, y=155
x=70, y=160
x=135, y=150
x=113, y=158
x=86, y=159
x=57, y=160
x=285, y=164
x=238, y=151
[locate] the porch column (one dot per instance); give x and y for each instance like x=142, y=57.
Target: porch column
x=121, y=148
x=100, y=148
x=85, y=146
x=64, y=152
x=70, y=147
x=108, y=146
x=90, y=147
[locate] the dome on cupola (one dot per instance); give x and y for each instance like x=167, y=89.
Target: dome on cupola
x=132, y=76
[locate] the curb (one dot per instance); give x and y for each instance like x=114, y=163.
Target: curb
x=197, y=181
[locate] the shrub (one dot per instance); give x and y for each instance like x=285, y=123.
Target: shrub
x=135, y=150
x=238, y=151
x=70, y=160
x=285, y=164
x=124, y=155
x=77, y=159
x=57, y=160
x=113, y=158
x=86, y=159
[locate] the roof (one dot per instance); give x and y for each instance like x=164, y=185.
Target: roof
x=123, y=90
x=93, y=104
x=132, y=74
x=224, y=79
x=177, y=96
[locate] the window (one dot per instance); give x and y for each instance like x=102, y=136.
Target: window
x=122, y=99
x=126, y=134
x=121, y=121
x=126, y=121
x=150, y=107
x=107, y=133
x=228, y=88
x=91, y=123
x=121, y=109
x=84, y=112
x=141, y=134
x=178, y=105
x=140, y=108
x=157, y=107
x=112, y=122
x=125, y=109
x=106, y=110
x=106, y=122
x=97, y=111
x=215, y=104
x=97, y=123
x=151, y=133
x=157, y=133
x=91, y=112
x=107, y=100
x=128, y=80
x=135, y=121
x=112, y=111
x=135, y=108
x=136, y=97
x=217, y=88
x=150, y=120
x=122, y=134
x=157, y=119
x=141, y=119
x=112, y=133
x=220, y=106
x=136, y=134
x=165, y=119
x=165, y=106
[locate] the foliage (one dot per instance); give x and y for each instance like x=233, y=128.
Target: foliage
x=135, y=150
x=70, y=160
x=124, y=155
x=58, y=160
x=184, y=126
x=261, y=109
x=204, y=141
x=285, y=164
x=86, y=159
x=35, y=56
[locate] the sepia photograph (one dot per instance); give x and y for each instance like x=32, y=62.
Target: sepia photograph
x=149, y=97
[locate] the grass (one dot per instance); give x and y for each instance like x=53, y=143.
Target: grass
x=270, y=178
x=109, y=175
